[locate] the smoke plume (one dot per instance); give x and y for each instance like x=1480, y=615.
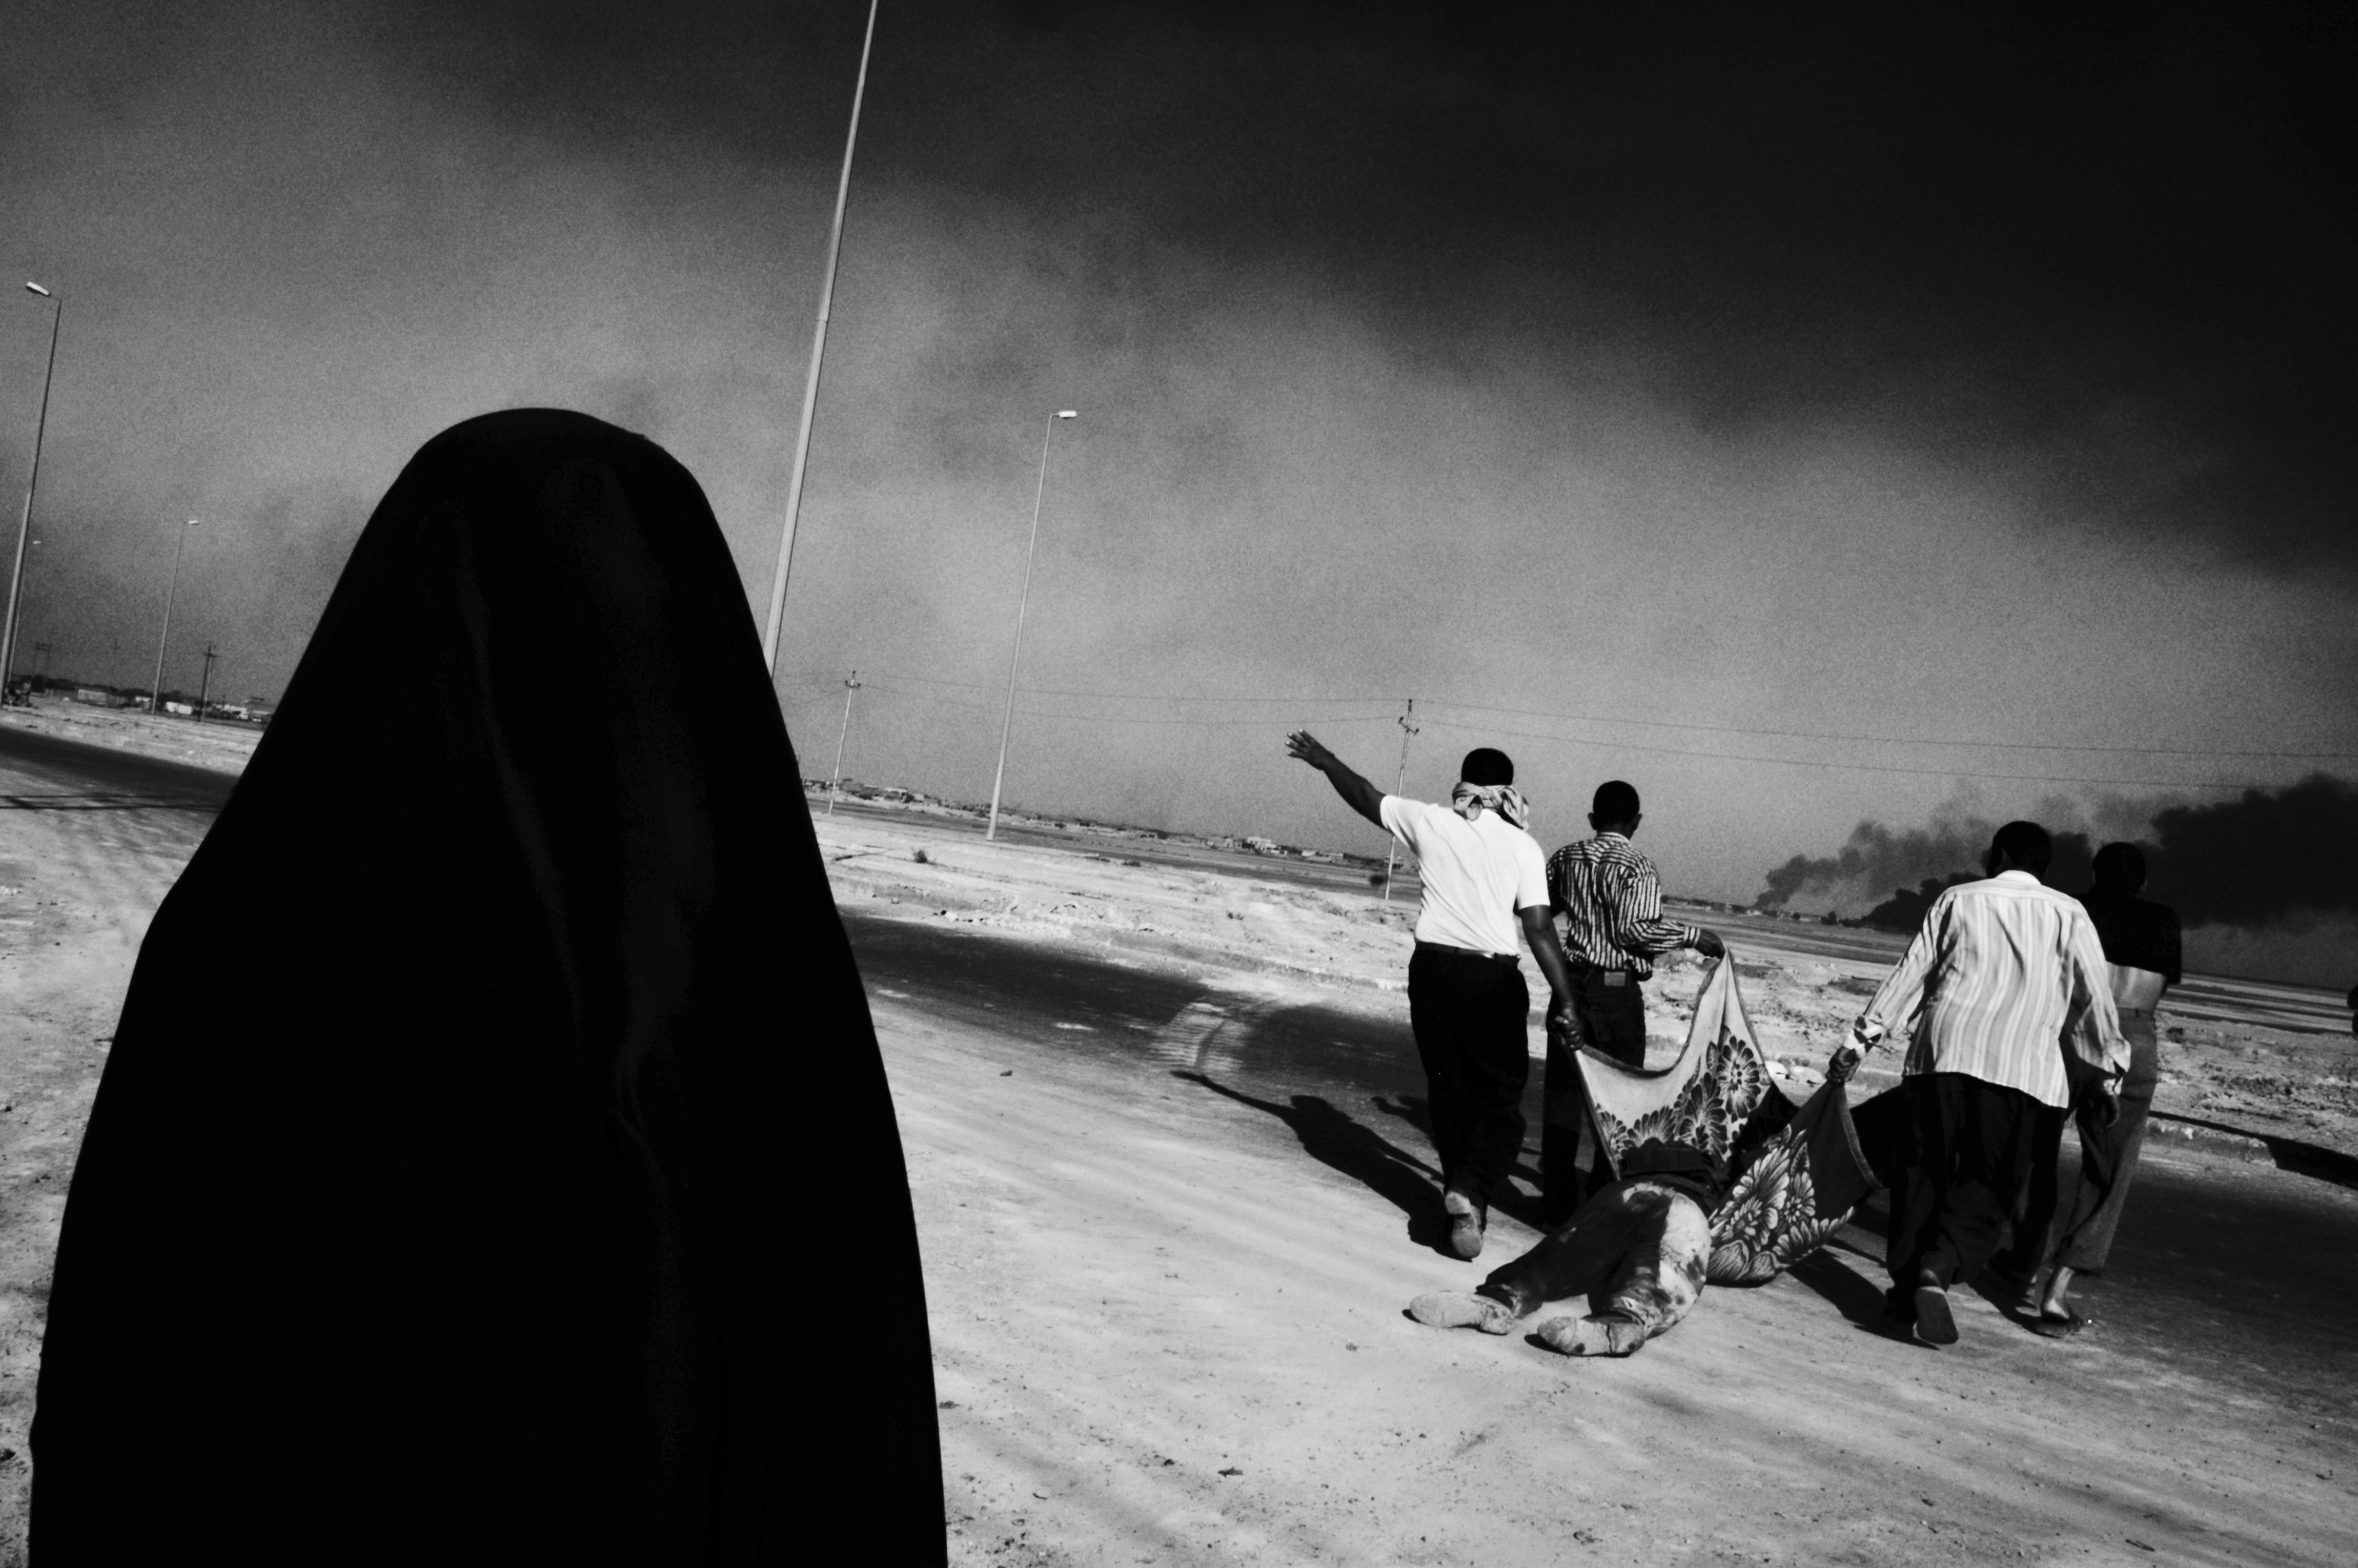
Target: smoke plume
x=2263, y=856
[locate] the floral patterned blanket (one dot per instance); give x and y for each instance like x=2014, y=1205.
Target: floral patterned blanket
x=1795, y=1172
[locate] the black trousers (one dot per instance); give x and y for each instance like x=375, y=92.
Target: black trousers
x=1472, y=1017
x=2018, y=1261
x=1613, y=1020
x=1970, y=1147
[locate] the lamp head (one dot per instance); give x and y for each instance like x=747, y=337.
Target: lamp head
x=1068, y=413
x=37, y=288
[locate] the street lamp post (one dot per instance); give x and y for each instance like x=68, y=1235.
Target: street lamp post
x=835, y=784
x=155, y=692
x=1015, y=660
x=32, y=481
x=818, y=353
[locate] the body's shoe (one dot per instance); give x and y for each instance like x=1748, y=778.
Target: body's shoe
x=1592, y=1336
x=1459, y=1309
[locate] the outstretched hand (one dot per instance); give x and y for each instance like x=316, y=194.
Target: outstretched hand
x=1303, y=746
x=1842, y=1064
x=1708, y=944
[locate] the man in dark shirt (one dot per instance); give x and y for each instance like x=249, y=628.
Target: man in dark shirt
x=2141, y=948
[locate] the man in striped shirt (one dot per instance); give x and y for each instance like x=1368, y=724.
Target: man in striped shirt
x=2003, y=990
x=1611, y=899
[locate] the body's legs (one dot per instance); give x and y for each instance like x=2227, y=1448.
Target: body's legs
x=1657, y=1282
x=2108, y=1157
x=1637, y=1252
x=1471, y=1018
x=1972, y=1144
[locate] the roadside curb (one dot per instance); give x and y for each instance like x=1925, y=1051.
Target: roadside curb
x=2259, y=1149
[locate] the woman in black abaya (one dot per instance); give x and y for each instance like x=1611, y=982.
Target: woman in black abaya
x=494, y=1089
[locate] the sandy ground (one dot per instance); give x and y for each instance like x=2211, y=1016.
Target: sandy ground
x=78, y=882
x=2267, y=1081
x=1162, y=1333
x=1165, y=1333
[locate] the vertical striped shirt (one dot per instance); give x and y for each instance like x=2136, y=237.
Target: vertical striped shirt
x=2003, y=978
x=1611, y=899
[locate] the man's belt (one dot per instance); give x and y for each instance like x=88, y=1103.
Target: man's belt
x=1445, y=950
x=1582, y=969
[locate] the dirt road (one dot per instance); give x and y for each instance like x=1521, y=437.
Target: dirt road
x=1172, y=1214
x=1168, y=1263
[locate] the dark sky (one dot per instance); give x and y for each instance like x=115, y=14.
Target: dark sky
x=1888, y=403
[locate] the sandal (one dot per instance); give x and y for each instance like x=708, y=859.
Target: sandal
x=1935, y=1324
x=2064, y=1327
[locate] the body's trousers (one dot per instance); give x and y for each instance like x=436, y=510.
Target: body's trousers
x=1970, y=1145
x=1612, y=1021
x=1637, y=1252
x=2108, y=1155
x=1472, y=1017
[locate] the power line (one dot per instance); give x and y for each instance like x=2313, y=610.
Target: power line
x=1884, y=739
x=894, y=682
x=1847, y=767
x=1132, y=696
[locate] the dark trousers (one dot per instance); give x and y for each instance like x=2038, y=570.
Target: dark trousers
x=2107, y=1159
x=1970, y=1149
x=2018, y=1261
x=1639, y=1253
x=1471, y=1016
x=1612, y=1021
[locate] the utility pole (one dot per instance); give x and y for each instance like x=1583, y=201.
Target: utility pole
x=205, y=682
x=1392, y=854
x=835, y=784
x=155, y=691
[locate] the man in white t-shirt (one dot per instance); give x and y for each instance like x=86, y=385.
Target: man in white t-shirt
x=1484, y=879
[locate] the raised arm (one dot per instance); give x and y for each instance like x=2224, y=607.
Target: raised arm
x=1357, y=792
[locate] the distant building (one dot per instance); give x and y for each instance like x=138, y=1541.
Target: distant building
x=1263, y=846
x=99, y=697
